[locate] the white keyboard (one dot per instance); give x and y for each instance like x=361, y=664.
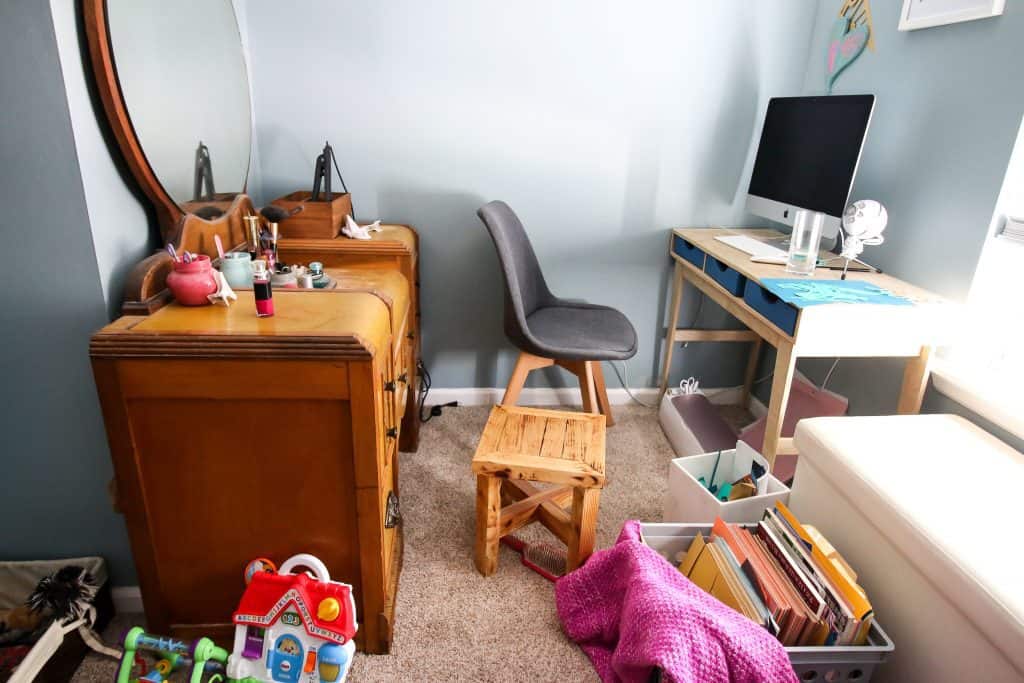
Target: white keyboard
x=753, y=247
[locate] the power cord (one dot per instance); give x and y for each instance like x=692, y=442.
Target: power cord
x=425, y=382
x=824, y=383
x=352, y=206
x=828, y=376
x=625, y=383
x=696, y=315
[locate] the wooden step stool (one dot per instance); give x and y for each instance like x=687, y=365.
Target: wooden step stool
x=522, y=445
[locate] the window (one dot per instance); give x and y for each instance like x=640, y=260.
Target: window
x=985, y=369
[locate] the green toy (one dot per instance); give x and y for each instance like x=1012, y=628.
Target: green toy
x=171, y=655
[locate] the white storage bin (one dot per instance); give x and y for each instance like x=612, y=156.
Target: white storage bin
x=687, y=500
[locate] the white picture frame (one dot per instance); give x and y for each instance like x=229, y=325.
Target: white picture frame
x=918, y=14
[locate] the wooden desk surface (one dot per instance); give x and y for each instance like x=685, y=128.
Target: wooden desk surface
x=840, y=329
x=740, y=261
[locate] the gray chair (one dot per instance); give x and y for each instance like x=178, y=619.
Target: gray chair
x=548, y=330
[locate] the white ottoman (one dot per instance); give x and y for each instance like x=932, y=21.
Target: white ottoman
x=926, y=508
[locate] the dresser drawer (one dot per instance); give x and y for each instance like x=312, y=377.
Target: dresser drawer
x=731, y=280
x=686, y=250
x=777, y=311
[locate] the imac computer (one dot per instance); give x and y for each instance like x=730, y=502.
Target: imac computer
x=808, y=156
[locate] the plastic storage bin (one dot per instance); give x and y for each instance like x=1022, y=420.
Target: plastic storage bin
x=688, y=251
x=688, y=501
x=778, y=312
x=832, y=664
x=730, y=279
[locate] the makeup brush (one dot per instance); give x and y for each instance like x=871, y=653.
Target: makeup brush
x=220, y=246
x=275, y=214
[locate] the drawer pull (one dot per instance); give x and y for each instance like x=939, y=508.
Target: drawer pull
x=404, y=378
x=392, y=515
x=391, y=433
x=411, y=335
x=390, y=386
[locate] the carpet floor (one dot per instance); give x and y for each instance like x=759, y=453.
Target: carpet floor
x=451, y=623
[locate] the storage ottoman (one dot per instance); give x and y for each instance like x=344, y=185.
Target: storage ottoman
x=925, y=509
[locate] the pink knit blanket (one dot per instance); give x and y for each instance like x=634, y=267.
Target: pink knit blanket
x=631, y=610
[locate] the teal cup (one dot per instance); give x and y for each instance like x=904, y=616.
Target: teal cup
x=236, y=267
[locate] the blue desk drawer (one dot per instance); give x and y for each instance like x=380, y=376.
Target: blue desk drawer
x=731, y=279
x=684, y=249
x=778, y=312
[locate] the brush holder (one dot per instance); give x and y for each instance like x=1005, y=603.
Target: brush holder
x=191, y=283
x=236, y=267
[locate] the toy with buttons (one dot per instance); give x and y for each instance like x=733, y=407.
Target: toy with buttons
x=290, y=627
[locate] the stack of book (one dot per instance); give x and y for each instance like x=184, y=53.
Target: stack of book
x=783, y=575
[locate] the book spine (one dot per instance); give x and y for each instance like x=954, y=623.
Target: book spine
x=812, y=601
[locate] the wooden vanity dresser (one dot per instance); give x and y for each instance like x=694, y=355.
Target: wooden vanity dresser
x=235, y=437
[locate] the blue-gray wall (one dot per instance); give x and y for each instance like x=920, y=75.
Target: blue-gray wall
x=949, y=105
x=55, y=464
x=601, y=123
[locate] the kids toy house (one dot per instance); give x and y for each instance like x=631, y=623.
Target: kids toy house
x=294, y=628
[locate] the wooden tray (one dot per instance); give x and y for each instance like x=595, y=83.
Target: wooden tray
x=319, y=219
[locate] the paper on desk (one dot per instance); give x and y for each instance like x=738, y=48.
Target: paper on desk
x=809, y=292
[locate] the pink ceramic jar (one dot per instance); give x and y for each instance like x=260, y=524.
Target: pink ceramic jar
x=191, y=283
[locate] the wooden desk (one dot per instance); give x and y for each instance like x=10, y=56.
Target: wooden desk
x=827, y=330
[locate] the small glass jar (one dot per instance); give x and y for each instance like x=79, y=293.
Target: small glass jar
x=804, y=242
x=236, y=267
x=192, y=282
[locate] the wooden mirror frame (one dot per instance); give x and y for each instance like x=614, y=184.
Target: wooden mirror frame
x=145, y=290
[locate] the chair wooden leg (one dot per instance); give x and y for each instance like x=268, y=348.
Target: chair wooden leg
x=488, y=513
x=603, y=406
x=585, y=373
x=524, y=364
x=584, y=526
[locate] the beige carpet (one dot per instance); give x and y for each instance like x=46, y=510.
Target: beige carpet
x=454, y=625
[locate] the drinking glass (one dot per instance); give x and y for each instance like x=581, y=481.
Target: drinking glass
x=804, y=242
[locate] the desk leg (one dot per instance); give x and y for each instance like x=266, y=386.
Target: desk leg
x=748, y=378
x=915, y=381
x=785, y=364
x=673, y=320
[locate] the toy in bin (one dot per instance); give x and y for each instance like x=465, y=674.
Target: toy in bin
x=289, y=628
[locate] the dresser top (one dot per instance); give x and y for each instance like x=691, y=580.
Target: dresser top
x=307, y=323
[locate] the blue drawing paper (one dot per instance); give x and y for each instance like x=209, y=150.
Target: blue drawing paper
x=809, y=292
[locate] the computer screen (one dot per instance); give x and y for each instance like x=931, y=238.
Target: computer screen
x=808, y=156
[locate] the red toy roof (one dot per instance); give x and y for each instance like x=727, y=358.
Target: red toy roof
x=266, y=598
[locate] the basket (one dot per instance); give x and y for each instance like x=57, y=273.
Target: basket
x=834, y=663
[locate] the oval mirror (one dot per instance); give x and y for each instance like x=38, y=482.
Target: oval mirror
x=183, y=78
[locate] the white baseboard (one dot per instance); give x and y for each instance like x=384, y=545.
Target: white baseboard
x=127, y=599
x=564, y=396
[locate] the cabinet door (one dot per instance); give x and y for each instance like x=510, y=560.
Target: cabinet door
x=230, y=461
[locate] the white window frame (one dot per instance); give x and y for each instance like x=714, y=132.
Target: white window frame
x=984, y=370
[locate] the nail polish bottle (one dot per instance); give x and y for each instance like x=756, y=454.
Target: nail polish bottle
x=262, y=289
